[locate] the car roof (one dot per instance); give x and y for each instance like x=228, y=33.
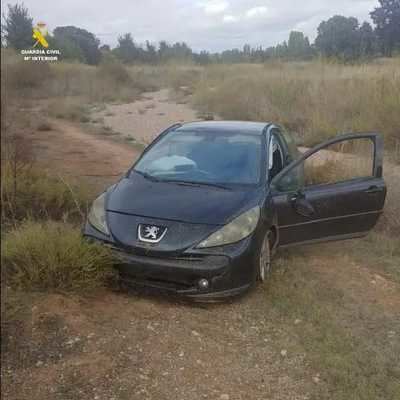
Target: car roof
x=255, y=128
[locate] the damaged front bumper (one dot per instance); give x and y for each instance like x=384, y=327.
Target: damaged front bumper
x=204, y=275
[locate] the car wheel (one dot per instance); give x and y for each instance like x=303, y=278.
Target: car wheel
x=264, y=259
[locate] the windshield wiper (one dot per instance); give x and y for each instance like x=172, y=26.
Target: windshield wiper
x=179, y=182
x=198, y=184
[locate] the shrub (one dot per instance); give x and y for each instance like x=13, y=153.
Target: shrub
x=53, y=255
x=26, y=75
x=69, y=108
x=35, y=194
x=114, y=71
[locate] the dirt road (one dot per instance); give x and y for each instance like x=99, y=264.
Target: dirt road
x=146, y=118
x=69, y=151
x=289, y=339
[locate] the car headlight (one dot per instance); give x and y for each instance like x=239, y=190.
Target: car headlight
x=238, y=229
x=97, y=214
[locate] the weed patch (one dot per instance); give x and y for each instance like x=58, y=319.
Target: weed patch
x=32, y=193
x=53, y=255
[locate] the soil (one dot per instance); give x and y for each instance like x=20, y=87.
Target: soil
x=71, y=152
x=146, y=118
x=126, y=346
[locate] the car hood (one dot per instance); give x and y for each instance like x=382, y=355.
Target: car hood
x=192, y=204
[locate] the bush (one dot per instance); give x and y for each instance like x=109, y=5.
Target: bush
x=114, y=71
x=35, y=194
x=70, y=109
x=53, y=255
x=26, y=75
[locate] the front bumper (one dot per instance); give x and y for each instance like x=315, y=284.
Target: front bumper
x=228, y=270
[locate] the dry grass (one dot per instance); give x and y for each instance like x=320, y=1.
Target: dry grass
x=315, y=100
x=71, y=108
x=32, y=193
x=340, y=162
x=391, y=219
x=109, y=82
x=379, y=252
x=53, y=255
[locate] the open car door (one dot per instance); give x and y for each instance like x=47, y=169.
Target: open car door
x=334, y=191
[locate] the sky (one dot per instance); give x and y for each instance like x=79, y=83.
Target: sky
x=212, y=25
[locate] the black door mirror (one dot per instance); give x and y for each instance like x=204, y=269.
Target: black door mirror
x=302, y=205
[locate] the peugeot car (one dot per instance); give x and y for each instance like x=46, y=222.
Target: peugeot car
x=206, y=205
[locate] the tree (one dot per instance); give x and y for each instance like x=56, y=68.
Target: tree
x=17, y=28
x=246, y=53
x=151, y=53
x=387, y=21
x=203, y=58
x=105, y=48
x=281, y=50
x=126, y=49
x=338, y=37
x=163, y=50
x=69, y=49
x=368, y=40
x=298, y=46
x=178, y=51
x=78, y=42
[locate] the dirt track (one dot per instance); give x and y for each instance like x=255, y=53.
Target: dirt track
x=126, y=346
x=146, y=118
x=71, y=152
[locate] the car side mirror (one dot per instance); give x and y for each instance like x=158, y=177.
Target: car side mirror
x=302, y=205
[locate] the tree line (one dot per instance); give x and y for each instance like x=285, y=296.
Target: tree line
x=339, y=37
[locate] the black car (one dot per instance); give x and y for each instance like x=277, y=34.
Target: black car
x=207, y=204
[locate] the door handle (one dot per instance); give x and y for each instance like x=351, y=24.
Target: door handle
x=374, y=189
x=294, y=198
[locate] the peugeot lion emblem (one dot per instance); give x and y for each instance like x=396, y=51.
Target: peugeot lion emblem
x=151, y=233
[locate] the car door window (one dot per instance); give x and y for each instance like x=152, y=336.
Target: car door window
x=340, y=162
x=335, y=163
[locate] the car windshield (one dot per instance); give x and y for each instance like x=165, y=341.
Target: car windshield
x=204, y=157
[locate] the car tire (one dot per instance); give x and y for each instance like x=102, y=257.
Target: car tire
x=263, y=261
